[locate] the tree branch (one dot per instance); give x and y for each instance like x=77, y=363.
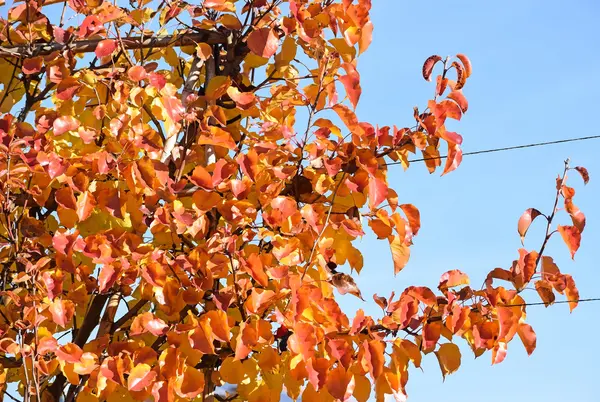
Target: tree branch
x=129, y=43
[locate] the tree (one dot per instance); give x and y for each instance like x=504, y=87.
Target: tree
x=181, y=186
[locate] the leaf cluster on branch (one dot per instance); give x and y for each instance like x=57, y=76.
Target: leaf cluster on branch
x=181, y=188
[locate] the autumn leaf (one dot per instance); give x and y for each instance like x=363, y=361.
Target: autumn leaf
x=525, y=221
x=378, y=191
x=448, y=356
x=344, y=283
x=572, y=238
x=400, y=253
x=528, y=337
x=140, y=377
x=263, y=42
x=62, y=311
x=105, y=48
x=428, y=66
x=584, y=174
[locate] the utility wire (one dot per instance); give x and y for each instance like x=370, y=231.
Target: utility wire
x=487, y=151
x=555, y=302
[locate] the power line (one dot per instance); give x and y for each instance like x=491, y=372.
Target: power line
x=487, y=151
x=555, y=302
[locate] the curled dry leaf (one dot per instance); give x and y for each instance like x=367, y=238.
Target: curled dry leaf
x=584, y=174
x=344, y=283
x=461, y=75
x=428, y=66
x=466, y=64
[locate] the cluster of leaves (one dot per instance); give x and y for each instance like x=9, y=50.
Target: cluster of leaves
x=170, y=223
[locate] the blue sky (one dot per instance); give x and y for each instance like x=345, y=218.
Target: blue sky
x=533, y=81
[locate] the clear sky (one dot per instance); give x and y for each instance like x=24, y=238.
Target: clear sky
x=533, y=81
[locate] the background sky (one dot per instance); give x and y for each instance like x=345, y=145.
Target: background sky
x=533, y=81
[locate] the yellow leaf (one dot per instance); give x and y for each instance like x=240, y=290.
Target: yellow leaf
x=449, y=358
x=232, y=371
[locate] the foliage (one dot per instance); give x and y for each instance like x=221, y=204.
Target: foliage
x=181, y=186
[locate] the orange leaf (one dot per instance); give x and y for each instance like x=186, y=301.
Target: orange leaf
x=137, y=73
x=373, y=358
x=525, y=221
x=263, y=42
x=528, y=337
x=400, y=253
x=577, y=216
x=458, y=97
x=351, y=83
x=85, y=205
x=414, y=217
x=190, y=384
x=572, y=238
x=340, y=383
x=453, y=278
x=243, y=100
x=466, y=64
x=140, y=377
x=571, y=292
x=62, y=311
x=453, y=159
x=202, y=178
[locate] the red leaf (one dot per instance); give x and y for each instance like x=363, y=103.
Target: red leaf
x=378, y=191
x=263, y=42
x=32, y=65
x=105, y=48
x=458, y=97
x=428, y=66
x=584, y=174
x=400, y=253
x=157, y=80
x=140, y=377
x=431, y=334
x=525, y=221
x=67, y=88
x=572, y=237
x=528, y=337
x=351, y=83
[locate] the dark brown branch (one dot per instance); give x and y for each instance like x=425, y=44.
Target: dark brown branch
x=129, y=43
x=89, y=323
x=133, y=311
